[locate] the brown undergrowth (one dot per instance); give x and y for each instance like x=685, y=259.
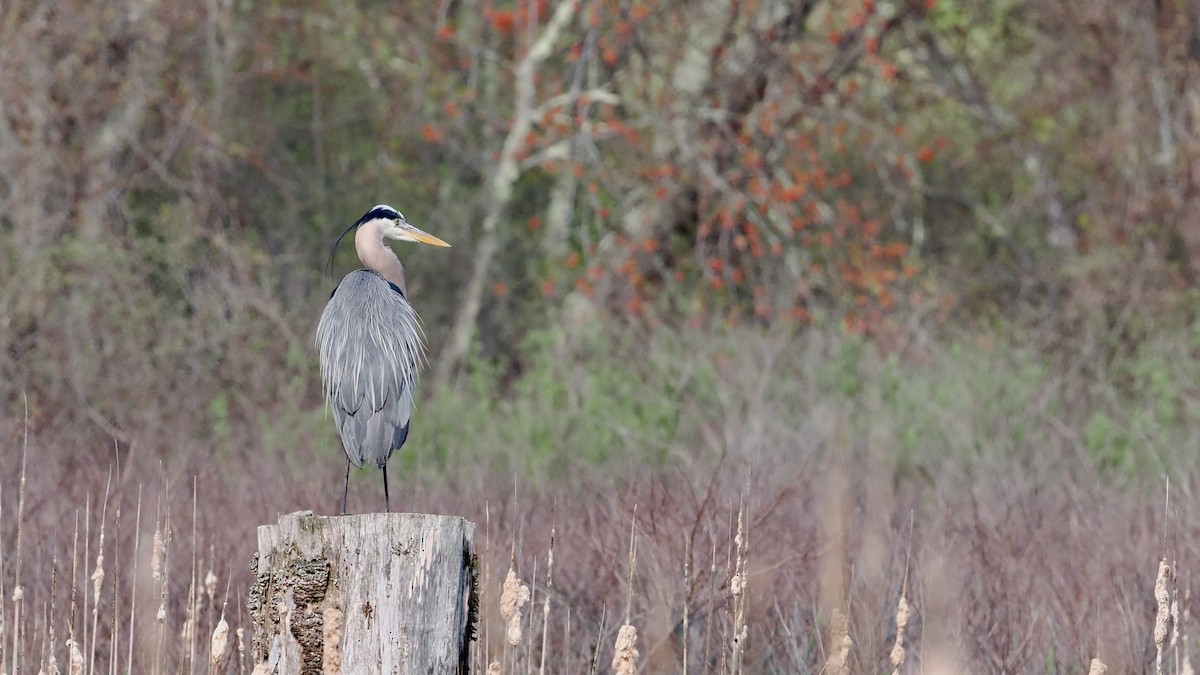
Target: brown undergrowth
x=1005, y=571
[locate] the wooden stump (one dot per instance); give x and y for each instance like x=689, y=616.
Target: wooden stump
x=374, y=593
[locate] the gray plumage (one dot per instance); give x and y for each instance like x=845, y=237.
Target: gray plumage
x=370, y=345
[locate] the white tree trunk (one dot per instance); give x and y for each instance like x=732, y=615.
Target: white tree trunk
x=374, y=593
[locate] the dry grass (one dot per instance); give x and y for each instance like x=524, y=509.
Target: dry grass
x=974, y=548
x=766, y=543
x=997, y=576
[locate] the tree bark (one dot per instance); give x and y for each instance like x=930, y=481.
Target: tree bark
x=374, y=593
x=500, y=191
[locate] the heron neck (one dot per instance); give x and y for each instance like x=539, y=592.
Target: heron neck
x=374, y=254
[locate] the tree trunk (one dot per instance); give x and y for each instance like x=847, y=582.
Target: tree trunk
x=374, y=593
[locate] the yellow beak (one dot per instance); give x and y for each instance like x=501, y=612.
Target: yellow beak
x=413, y=234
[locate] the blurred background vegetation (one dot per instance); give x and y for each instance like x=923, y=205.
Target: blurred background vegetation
x=633, y=190
x=956, y=242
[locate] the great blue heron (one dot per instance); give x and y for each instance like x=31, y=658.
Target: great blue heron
x=370, y=345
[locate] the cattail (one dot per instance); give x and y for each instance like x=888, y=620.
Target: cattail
x=493, y=668
x=220, y=640
x=98, y=578
x=902, y=613
x=1162, y=621
x=75, y=658
x=185, y=631
x=210, y=588
x=156, y=557
x=839, y=656
x=512, y=598
x=1097, y=668
x=625, y=653
x=241, y=643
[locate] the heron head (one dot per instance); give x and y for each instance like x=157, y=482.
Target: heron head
x=391, y=224
x=399, y=229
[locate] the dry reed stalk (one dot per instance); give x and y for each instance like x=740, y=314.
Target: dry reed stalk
x=188, y=629
x=72, y=647
x=712, y=593
x=567, y=641
x=114, y=638
x=737, y=587
x=596, y=651
x=160, y=568
x=87, y=550
x=193, y=587
x=528, y=644
x=97, y=578
x=546, y=603
x=1162, y=621
x=687, y=594
x=632, y=564
x=903, y=610
x=52, y=663
x=137, y=540
x=51, y=639
x=241, y=644
x=1185, y=665
x=487, y=579
x=18, y=594
x=625, y=652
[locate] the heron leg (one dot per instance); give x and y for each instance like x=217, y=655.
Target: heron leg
x=387, y=502
x=346, y=488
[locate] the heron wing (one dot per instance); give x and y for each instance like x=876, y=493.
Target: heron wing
x=370, y=344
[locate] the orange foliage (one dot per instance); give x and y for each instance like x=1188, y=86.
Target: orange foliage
x=431, y=133
x=502, y=21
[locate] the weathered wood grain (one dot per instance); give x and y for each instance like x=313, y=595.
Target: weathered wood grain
x=373, y=593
